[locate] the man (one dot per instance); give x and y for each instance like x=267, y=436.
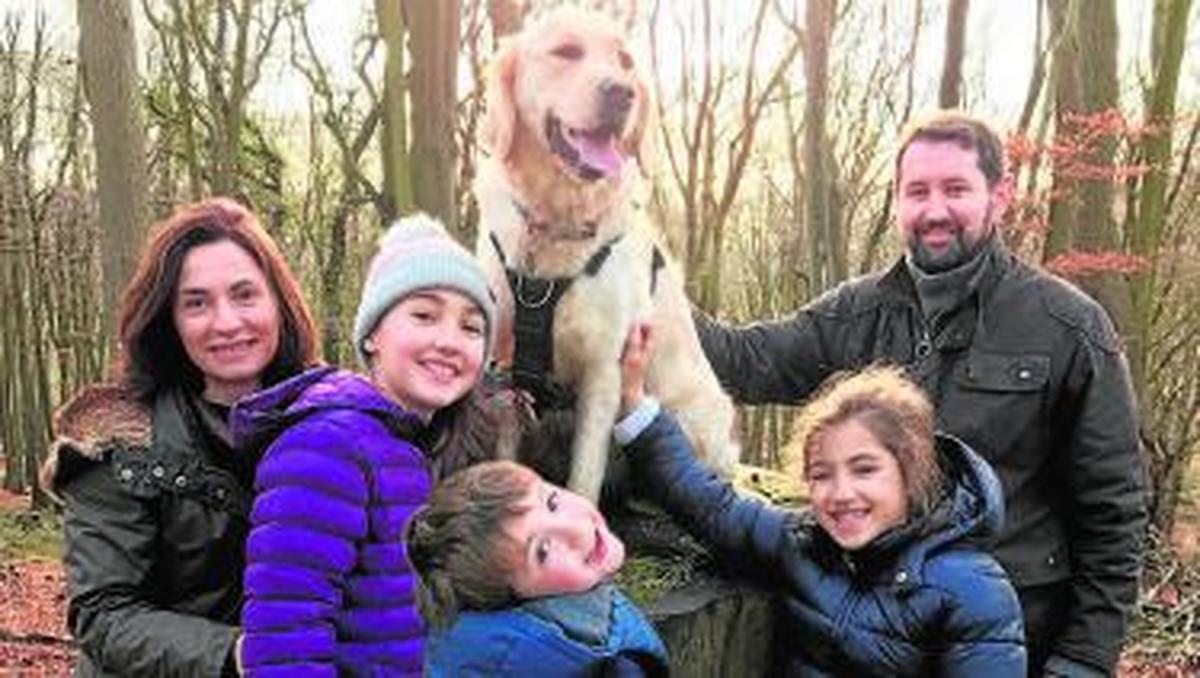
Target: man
x=1023, y=367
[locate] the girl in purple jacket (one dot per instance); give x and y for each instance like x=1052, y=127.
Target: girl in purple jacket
x=328, y=586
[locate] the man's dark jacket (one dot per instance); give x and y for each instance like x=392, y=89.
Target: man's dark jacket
x=155, y=533
x=1029, y=372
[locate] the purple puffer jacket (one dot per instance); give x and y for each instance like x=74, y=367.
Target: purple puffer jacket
x=328, y=586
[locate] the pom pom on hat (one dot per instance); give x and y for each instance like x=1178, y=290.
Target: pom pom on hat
x=417, y=253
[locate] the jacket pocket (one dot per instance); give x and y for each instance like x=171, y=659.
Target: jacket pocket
x=1004, y=373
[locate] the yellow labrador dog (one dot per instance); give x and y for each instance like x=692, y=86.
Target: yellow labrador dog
x=566, y=124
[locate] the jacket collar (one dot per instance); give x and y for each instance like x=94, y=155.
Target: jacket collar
x=972, y=506
x=897, y=283
x=896, y=286
x=257, y=419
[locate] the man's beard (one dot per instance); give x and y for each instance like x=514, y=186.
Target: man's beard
x=956, y=253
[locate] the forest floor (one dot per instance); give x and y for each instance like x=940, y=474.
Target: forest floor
x=34, y=640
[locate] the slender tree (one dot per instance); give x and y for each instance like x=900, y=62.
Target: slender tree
x=107, y=54
x=1164, y=328
x=827, y=248
x=397, y=163
x=950, y=87
x=433, y=45
x=352, y=132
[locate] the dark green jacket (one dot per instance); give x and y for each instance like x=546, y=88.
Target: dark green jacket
x=1029, y=373
x=154, y=537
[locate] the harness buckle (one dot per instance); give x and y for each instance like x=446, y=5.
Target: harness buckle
x=519, y=292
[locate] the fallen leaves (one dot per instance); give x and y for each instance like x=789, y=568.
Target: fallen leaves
x=33, y=637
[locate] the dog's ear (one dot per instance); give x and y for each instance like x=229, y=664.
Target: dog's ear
x=500, y=123
x=639, y=142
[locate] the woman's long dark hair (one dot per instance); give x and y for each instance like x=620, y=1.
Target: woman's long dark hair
x=152, y=357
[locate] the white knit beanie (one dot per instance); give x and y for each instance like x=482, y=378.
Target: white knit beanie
x=417, y=253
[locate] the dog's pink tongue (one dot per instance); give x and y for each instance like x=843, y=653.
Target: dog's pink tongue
x=600, y=153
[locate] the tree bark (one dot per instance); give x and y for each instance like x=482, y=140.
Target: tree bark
x=1068, y=101
x=716, y=629
x=950, y=87
x=828, y=251
x=434, y=38
x=1146, y=230
x=1146, y=220
x=107, y=53
x=1096, y=230
x=397, y=164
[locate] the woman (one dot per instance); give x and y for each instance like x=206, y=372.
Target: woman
x=329, y=589
x=156, y=500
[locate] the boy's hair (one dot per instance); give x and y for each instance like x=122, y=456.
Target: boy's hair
x=896, y=412
x=456, y=541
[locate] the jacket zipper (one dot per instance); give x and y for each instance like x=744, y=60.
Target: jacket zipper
x=925, y=342
x=844, y=608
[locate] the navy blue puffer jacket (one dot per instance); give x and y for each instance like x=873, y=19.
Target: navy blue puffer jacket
x=919, y=600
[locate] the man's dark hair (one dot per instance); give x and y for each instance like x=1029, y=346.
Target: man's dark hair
x=966, y=131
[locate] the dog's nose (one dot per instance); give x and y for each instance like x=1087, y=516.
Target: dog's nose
x=616, y=99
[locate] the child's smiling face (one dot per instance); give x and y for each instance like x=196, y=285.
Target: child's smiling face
x=562, y=544
x=428, y=349
x=856, y=485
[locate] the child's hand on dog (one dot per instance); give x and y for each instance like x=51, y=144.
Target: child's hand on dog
x=635, y=356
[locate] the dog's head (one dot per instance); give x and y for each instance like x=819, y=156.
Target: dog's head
x=568, y=91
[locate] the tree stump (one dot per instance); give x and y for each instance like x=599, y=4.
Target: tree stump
x=716, y=628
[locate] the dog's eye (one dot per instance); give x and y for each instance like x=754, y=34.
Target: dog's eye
x=568, y=52
x=625, y=59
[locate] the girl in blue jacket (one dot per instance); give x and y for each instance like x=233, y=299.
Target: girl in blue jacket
x=514, y=581
x=879, y=576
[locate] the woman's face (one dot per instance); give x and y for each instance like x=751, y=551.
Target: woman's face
x=563, y=544
x=427, y=350
x=856, y=486
x=227, y=318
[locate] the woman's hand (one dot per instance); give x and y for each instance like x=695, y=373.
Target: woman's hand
x=635, y=357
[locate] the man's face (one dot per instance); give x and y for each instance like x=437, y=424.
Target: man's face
x=944, y=207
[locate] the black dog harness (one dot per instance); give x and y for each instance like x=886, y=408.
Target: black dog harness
x=534, y=301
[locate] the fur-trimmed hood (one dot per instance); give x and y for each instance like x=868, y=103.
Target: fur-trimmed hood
x=95, y=420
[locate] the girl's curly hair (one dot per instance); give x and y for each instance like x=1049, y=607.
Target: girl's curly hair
x=894, y=409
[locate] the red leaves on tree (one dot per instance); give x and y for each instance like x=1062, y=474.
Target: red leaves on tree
x=1078, y=264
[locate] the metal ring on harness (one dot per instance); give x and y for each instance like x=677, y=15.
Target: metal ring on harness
x=520, y=295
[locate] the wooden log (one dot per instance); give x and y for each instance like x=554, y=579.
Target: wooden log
x=716, y=628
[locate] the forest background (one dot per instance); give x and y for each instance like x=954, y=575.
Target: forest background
x=776, y=128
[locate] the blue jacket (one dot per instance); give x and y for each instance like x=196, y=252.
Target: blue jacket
x=917, y=601
x=569, y=635
x=328, y=586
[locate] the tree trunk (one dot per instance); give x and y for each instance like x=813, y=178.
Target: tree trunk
x=716, y=629
x=827, y=253
x=107, y=53
x=397, y=164
x=1096, y=230
x=1146, y=220
x=434, y=38
x=950, y=88
x=1068, y=101
x=1146, y=229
